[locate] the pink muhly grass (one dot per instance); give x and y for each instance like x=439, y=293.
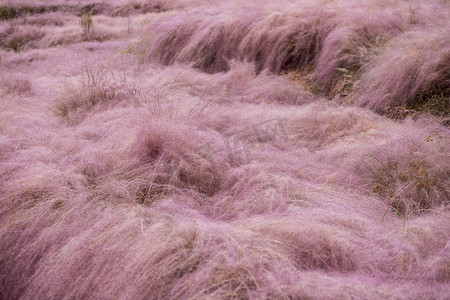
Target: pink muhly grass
x=414, y=66
x=201, y=173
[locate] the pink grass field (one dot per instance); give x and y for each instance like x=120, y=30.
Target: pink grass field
x=236, y=149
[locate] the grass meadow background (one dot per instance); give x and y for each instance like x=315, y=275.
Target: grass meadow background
x=224, y=149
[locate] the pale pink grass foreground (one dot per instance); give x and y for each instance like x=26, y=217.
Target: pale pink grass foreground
x=176, y=160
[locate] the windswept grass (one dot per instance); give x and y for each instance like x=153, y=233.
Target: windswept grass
x=224, y=150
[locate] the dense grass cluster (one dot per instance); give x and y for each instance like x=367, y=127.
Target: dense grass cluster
x=224, y=149
x=390, y=56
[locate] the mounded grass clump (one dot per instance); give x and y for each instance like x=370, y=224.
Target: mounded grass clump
x=186, y=167
x=348, y=48
x=345, y=56
x=15, y=84
x=411, y=186
x=311, y=248
x=178, y=163
x=7, y=12
x=409, y=176
x=96, y=85
x=416, y=76
x=21, y=38
x=47, y=19
x=142, y=8
x=94, y=9
x=13, y=12
x=274, y=41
